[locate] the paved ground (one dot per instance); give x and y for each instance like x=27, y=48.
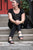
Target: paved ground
x=16, y=46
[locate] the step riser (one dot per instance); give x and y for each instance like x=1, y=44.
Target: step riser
x=3, y=17
x=3, y=21
x=3, y=25
x=24, y=31
x=2, y=39
x=9, y=33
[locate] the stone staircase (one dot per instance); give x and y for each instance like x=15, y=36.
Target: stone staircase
x=4, y=31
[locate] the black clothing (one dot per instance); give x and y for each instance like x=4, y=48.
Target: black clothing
x=14, y=28
x=13, y=25
x=15, y=17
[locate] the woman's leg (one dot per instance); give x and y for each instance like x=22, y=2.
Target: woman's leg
x=19, y=30
x=12, y=31
x=12, y=34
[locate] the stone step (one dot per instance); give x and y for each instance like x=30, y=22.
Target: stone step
x=3, y=21
x=26, y=37
x=3, y=25
x=17, y=44
x=6, y=31
x=3, y=18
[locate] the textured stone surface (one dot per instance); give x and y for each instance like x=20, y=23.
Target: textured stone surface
x=17, y=46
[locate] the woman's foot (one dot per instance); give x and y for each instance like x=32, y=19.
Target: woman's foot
x=20, y=36
x=10, y=40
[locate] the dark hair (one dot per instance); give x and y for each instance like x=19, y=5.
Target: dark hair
x=18, y=1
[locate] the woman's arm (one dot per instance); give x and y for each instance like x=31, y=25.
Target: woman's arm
x=10, y=17
x=22, y=18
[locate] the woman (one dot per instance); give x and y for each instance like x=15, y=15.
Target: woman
x=17, y=17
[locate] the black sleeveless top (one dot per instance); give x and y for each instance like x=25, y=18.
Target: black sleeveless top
x=15, y=16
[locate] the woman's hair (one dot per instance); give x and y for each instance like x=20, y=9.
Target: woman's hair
x=18, y=1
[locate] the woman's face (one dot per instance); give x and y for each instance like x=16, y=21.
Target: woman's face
x=14, y=3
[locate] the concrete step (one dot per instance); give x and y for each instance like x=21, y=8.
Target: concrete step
x=3, y=18
x=26, y=37
x=3, y=24
x=5, y=31
x=3, y=21
x=17, y=43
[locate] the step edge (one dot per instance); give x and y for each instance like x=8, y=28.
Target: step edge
x=22, y=35
x=4, y=28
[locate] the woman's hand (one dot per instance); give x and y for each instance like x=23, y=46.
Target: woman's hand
x=17, y=22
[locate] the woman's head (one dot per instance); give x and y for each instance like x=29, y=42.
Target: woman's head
x=16, y=3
